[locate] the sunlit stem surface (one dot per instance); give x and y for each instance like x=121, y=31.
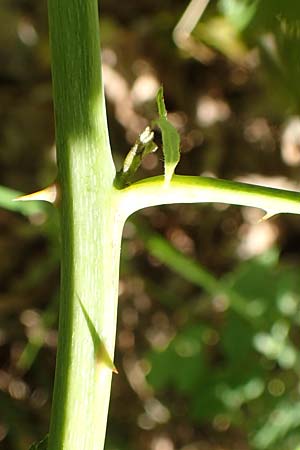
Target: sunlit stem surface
x=190, y=189
x=90, y=230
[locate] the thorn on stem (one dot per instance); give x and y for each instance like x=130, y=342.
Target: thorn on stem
x=49, y=194
x=267, y=216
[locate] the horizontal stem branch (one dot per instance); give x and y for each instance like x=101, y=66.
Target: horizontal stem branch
x=191, y=189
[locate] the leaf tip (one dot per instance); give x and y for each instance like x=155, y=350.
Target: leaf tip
x=161, y=102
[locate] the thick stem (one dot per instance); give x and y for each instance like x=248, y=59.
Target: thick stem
x=90, y=230
x=87, y=321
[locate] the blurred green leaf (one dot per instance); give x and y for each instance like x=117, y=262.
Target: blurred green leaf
x=26, y=208
x=241, y=376
x=239, y=12
x=284, y=418
x=219, y=33
x=269, y=13
x=236, y=339
x=187, y=268
x=181, y=363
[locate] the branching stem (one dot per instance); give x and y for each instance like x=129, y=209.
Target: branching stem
x=92, y=214
x=191, y=189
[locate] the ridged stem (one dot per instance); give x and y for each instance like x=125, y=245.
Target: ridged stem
x=90, y=230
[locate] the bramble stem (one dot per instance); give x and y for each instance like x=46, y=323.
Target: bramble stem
x=90, y=230
x=92, y=214
x=192, y=189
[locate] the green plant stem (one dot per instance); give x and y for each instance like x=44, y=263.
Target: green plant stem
x=92, y=214
x=90, y=230
x=191, y=189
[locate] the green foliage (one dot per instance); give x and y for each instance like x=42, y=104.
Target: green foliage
x=181, y=364
x=239, y=12
x=283, y=421
x=272, y=26
x=170, y=138
x=276, y=30
x=233, y=353
x=270, y=13
x=145, y=145
x=245, y=360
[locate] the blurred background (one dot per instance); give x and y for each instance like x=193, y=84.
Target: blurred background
x=209, y=318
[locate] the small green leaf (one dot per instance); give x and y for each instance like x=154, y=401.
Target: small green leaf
x=170, y=138
x=41, y=445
